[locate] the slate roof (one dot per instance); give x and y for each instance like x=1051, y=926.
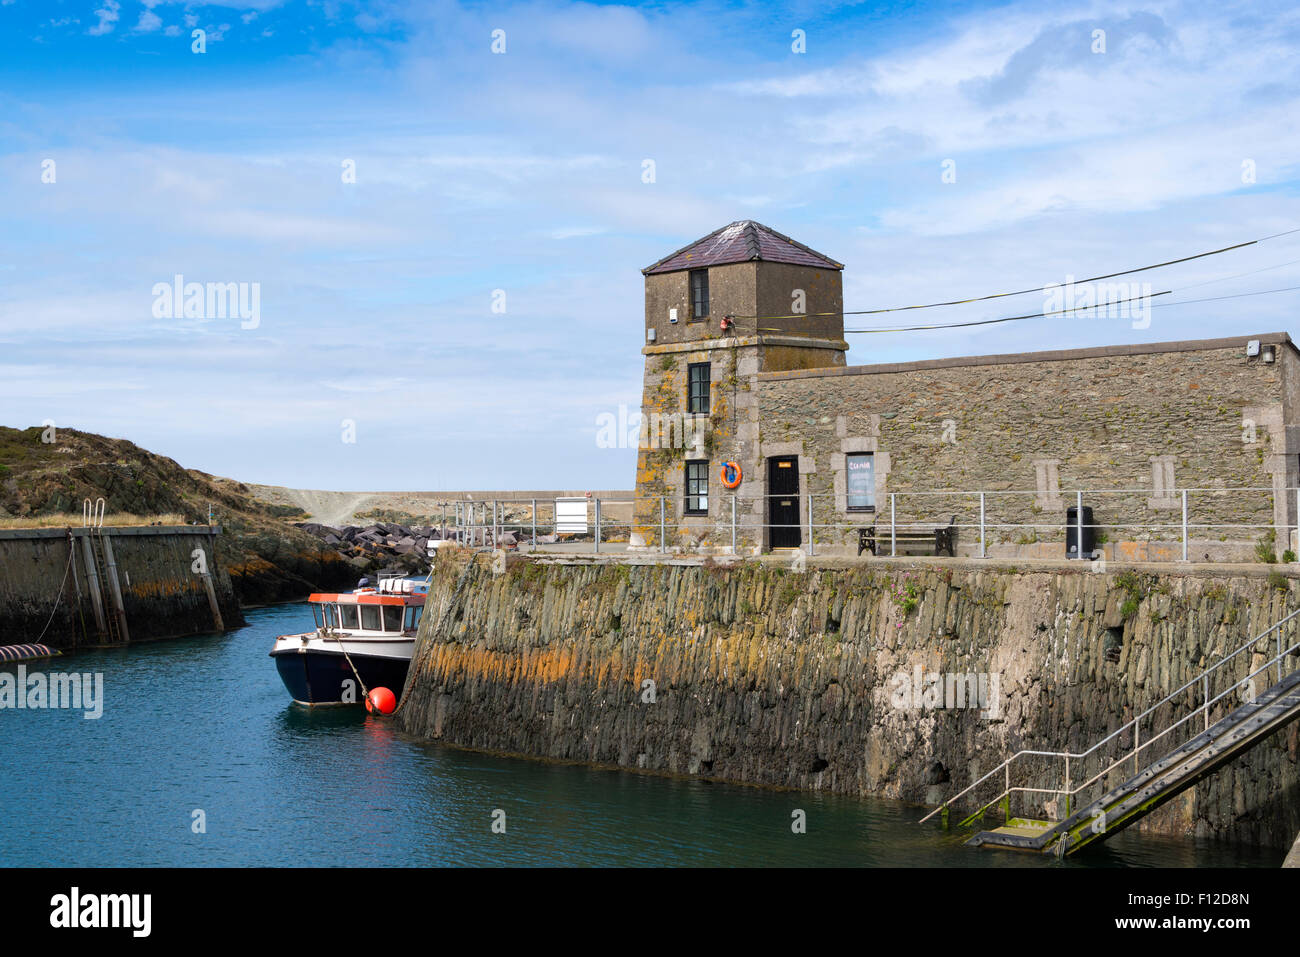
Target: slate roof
x=740, y=242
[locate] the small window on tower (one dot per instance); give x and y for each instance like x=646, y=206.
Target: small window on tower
x=699, y=294
x=697, y=488
x=697, y=395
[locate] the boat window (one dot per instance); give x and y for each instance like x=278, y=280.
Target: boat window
x=370, y=617
x=413, y=616
x=392, y=617
x=316, y=615
x=348, y=614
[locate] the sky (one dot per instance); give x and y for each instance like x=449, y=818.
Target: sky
x=444, y=208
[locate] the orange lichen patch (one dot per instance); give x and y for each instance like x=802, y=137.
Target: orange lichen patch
x=537, y=665
x=165, y=588
x=252, y=566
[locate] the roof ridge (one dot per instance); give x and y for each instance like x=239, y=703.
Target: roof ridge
x=745, y=245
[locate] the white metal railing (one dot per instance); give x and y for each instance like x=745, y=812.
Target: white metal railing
x=977, y=517
x=92, y=513
x=1064, y=759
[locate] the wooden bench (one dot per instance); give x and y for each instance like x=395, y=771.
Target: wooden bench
x=941, y=537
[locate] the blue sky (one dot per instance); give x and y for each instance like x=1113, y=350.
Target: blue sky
x=522, y=171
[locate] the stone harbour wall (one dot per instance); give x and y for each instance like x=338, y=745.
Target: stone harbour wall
x=162, y=596
x=767, y=676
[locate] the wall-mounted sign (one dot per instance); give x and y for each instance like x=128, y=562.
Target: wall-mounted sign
x=860, y=480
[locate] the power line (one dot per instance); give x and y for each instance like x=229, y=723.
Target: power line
x=1239, y=295
x=1022, y=292
x=1058, y=312
x=990, y=322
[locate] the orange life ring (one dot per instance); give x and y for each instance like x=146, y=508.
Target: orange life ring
x=732, y=469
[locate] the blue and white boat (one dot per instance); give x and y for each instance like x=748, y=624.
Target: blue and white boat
x=363, y=640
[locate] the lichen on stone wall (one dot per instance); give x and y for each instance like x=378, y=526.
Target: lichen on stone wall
x=763, y=675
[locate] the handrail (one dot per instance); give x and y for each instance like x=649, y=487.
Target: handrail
x=1133, y=723
x=92, y=515
x=826, y=516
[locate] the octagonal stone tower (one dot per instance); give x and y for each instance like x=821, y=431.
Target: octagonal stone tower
x=742, y=300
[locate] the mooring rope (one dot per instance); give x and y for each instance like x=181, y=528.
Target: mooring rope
x=330, y=633
x=62, y=585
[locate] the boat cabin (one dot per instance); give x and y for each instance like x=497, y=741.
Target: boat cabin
x=366, y=610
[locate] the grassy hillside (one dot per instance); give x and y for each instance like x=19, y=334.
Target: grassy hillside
x=268, y=559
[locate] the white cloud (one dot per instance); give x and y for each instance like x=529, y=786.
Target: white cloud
x=108, y=15
x=149, y=22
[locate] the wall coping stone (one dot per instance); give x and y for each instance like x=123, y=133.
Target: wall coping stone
x=1057, y=355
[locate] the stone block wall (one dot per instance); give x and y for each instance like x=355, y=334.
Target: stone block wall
x=1152, y=422
x=762, y=675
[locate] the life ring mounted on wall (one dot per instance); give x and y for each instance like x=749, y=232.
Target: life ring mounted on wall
x=730, y=474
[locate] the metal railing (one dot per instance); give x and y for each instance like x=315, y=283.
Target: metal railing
x=979, y=518
x=1067, y=762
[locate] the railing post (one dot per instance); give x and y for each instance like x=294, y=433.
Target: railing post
x=733, y=524
x=810, y=523
x=1078, y=523
x=663, y=544
x=1137, y=731
x=1006, y=797
x=892, y=525
x=596, y=543
x=1067, y=785
x=1205, y=694
x=983, y=550
x=1184, y=524
x=534, y=523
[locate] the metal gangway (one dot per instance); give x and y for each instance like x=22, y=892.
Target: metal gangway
x=1133, y=785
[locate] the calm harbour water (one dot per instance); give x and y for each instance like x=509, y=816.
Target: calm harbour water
x=204, y=723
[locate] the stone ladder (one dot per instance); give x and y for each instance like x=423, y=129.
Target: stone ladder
x=1161, y=779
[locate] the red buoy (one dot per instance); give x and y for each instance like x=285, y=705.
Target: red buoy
x=381, y=700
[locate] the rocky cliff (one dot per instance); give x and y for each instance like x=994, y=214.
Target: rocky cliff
x=267, y=559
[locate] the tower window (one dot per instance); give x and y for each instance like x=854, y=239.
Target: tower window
x=699, y=294
x=697, y=388
x=697, y=488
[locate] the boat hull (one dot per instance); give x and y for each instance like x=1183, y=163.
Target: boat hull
x=321, y=678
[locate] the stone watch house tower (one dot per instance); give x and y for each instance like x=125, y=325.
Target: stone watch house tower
x=775, y=395
x=704, y=348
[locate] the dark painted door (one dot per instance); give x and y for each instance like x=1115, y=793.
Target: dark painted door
x=783, y=501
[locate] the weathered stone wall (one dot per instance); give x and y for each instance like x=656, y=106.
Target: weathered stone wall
x=730, y=432
x=770, y=677
x=161, y=594
x=731, y=291
x=1191, y=416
